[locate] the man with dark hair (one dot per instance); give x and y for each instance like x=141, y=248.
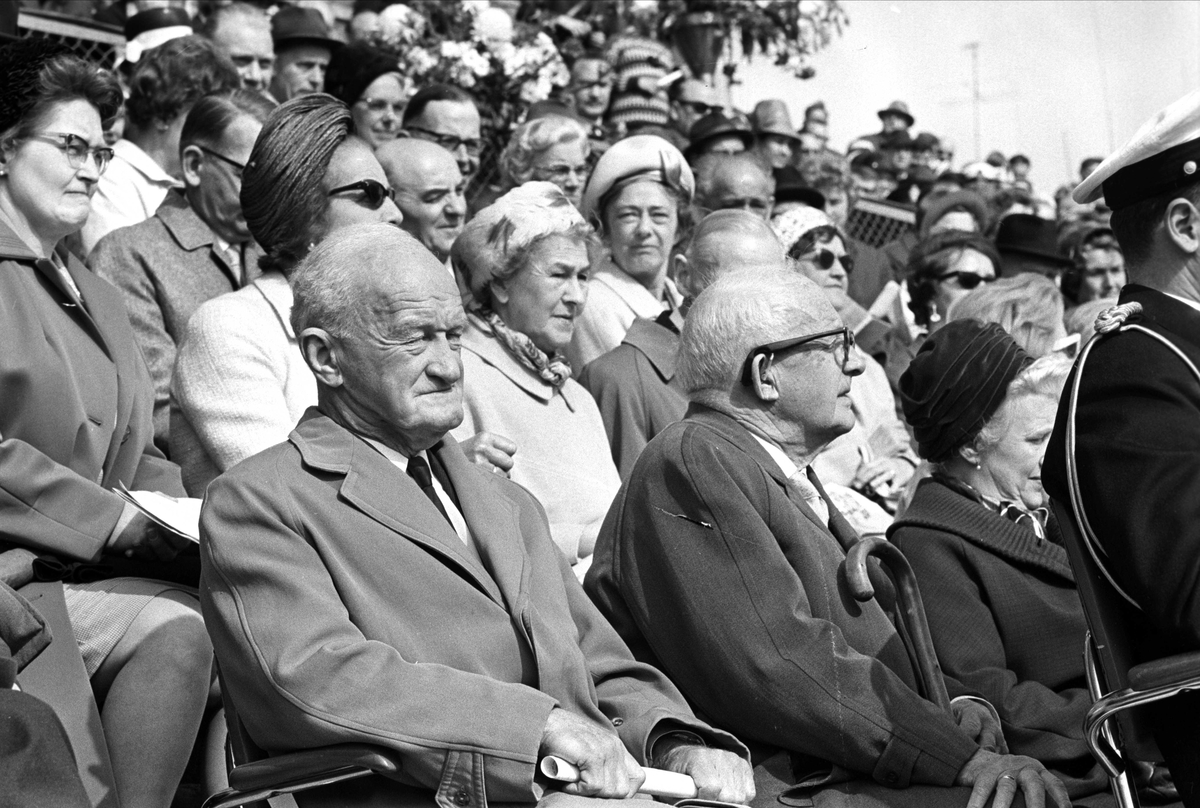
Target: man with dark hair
x=691, y=99
x=448, y=117
x=196, y=245
x=242, y=34
x=303, y=49
x=1137, y=439
x=168, y=80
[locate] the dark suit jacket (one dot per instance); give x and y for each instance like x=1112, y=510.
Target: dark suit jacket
x=1138, y=451
x=1007, y=622
x=165, y=268
x=636, y=389
x=711, y=565
x=75, y=403
x=343, y=607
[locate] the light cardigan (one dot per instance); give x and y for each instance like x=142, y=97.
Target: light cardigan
x=562, y=455
x=240, y=382
x=614, y=301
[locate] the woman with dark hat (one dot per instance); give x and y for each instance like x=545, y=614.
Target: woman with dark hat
x=368, y=81
x=997, y=588
x=75, y=424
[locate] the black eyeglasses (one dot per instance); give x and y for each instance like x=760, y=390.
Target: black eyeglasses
x=77, y=149
x=448, y=142
x=212, y=153
x=967, y=280
x=825, y=258
x=772, y=348
x=700, y=108
x=374, y=192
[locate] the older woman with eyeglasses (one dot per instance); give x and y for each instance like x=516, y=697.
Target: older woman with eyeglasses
x=874, y=458
x=240, y=384
x=635, y=198
x=368, y=81
x=526, y=261
x=75, y=424
x=550, y=149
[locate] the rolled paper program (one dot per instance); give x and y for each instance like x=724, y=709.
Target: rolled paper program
x=658, y=783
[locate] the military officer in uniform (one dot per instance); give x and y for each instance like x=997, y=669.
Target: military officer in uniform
x=1137, y=420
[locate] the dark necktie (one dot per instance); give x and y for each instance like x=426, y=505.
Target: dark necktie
x=418, y=469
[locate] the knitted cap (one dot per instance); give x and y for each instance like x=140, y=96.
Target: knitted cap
x=20, y=64
x=353, y=68
x=956, y=382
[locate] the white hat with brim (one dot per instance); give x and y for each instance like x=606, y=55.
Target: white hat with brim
x=640, y=157
x=1163, y=155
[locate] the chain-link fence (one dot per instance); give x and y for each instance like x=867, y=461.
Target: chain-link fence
x=877, y=222
x=93, y=41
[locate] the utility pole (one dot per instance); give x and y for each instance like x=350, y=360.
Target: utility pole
x=976, y=98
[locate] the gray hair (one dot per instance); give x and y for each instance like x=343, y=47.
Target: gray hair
x=531, y=139
x=1028, y=306
x=702, y=252
x=327, y=285
x=740, y=311
x=710, y=165
x=1043, y=377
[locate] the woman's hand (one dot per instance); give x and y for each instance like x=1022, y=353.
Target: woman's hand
x=142, y=538
x=493, y=452
x=884, y=476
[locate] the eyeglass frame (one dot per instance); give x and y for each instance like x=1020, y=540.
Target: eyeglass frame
x=560, y=172
x=474, y=148
x=64, y=141
x=219, y=156
x=825, y=258
x=772, y=348
x=396, y=107
x=365, y=185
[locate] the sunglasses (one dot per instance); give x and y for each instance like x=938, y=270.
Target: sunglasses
x=967, y=280
x=771, y=348
x=374, y=192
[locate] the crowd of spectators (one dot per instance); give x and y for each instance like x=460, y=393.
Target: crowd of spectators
x=259, y=265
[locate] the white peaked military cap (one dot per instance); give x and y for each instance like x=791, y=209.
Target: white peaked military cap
x=1162, y=156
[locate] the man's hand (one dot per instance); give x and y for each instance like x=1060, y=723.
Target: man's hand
x=493, y=452
x=719, y=775
x=986, y=772
x=606, y=769
x=142, y=538
x=979, y=722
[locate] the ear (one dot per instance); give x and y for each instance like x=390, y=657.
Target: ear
x=683, y=276
x=762, y=380
x=1183, y=225
x=191, y=158
x=321, y=356
x=970, y=453
x=500, y=292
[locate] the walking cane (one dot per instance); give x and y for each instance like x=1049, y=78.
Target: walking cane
x=912, y=612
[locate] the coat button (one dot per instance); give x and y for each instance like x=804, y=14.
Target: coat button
x=462, y=797
x=618, y=722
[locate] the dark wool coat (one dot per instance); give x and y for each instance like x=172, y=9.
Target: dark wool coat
x=711, y=565
x=1006, y=621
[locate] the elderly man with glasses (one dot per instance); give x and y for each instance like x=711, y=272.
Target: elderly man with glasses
x=720, y=563
x=448, y=117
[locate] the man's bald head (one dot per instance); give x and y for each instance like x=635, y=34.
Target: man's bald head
x=429, y=191
x=379, y=322
x=727, y=240
x=740, y=181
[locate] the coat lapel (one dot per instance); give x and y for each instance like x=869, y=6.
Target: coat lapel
x=386, y=494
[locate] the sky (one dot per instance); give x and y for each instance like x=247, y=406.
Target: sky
x=1058, y=81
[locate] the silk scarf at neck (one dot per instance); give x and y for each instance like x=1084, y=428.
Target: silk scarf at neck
x=554, y=370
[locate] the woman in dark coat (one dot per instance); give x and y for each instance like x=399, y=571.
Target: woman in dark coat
x=998, y=590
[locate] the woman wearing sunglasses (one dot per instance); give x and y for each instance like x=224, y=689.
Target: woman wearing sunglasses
x=874, y=458
x=75, y=423
x=240, y=383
